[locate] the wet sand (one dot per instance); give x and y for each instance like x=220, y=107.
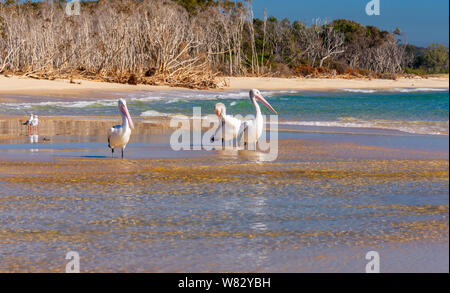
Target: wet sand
x=327, y=200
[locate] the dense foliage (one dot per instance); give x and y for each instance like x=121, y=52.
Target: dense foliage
x=430, y=60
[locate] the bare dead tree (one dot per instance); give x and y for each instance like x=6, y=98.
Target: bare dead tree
x=250, y=18
x=332, y=43
x=264, y=37
x=159, y=42
x=154, y=40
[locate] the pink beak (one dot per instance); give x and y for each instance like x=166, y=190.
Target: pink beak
x=124, y=110
x=262, y=100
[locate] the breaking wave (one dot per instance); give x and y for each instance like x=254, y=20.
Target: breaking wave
x=395, y=90
x=414, y=127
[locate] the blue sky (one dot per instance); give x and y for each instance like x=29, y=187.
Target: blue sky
x=424, y=22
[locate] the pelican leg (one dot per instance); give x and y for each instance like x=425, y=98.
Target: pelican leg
x=122, y=153
x=223, y=134
x=112, y=153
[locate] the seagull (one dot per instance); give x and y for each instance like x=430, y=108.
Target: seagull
x=28, y=123
x=34, y=124
x=119, y=135
x=229, y=126
x=251, y=130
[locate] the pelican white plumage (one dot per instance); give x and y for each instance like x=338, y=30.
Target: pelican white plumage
x=251, y=130
x=119, y=135
x=228, y=127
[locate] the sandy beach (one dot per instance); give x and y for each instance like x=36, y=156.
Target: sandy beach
x=63, y=88
x=335, y=83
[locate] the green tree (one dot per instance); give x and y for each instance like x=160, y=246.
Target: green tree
x=435, y=59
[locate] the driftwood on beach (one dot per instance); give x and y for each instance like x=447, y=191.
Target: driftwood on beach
x=148, y=42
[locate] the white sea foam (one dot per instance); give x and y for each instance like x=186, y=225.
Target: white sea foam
x=165, y=96
x=365, y=91
x=153, y=113
x=86, y=104
x=413, y=90
x=175, y=100
x=147, y=98
x=395, y=90
x=78, y=104
x=185, y=95
x=414, y=127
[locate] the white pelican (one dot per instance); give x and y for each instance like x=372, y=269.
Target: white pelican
x=251, y=130
x=229, y=126
x=119, y=135
x=28, y=123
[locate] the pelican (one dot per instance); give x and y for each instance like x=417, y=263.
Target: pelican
x=229, y=126
x=251, y=130
x=119, y=135
x=28, y=123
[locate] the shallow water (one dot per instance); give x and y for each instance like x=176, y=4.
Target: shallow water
x=327, y=200
x=356, y=171
x=152, y=142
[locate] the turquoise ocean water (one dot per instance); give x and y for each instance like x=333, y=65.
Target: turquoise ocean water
x=417, y=111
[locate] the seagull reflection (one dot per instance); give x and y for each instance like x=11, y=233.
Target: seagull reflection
x=33, y=138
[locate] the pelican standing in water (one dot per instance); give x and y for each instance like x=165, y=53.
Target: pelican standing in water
x=28, y=123
x=251, y=130
x=229, y=126
x=119, y=135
